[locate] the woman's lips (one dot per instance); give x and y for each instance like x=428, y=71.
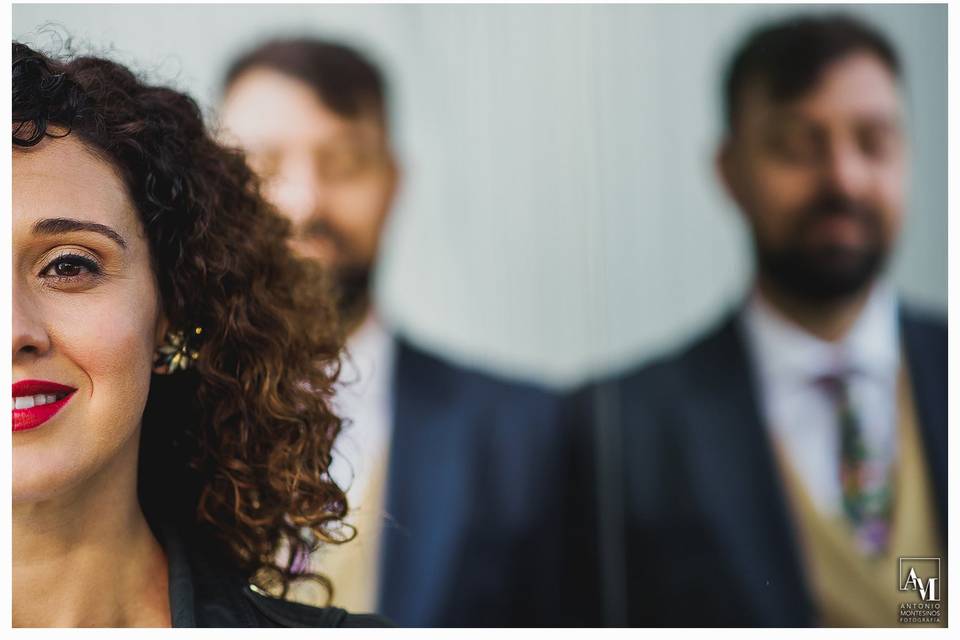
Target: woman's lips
x=39, y=401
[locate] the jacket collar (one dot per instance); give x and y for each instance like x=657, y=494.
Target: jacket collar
x=204, y=593
x=738, y=486
x=180, y=580
x=207, y=593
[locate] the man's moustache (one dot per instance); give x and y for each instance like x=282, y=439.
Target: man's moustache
x=827, y=208
x=320, y=231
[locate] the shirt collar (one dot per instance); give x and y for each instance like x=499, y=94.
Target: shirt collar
x=370, y=343
x=784, y=351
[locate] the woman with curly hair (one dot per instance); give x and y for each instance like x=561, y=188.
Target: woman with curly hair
x=173, y=366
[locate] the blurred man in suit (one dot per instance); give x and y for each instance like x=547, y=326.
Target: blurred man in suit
x=456, y=479
x=778, y=467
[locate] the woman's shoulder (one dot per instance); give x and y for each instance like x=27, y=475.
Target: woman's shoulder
x=284, y=613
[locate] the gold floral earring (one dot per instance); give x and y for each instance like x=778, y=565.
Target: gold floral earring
x=176, y=353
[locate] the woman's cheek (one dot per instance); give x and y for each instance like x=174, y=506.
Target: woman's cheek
x=118, y=357
x=102, y=341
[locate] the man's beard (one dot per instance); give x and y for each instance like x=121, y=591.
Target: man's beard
x=351, y=277
x=826, y=273
x=352, y=290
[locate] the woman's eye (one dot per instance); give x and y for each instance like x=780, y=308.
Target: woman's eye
x=68, y=267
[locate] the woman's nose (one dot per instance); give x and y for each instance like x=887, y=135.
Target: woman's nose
x=30, y=337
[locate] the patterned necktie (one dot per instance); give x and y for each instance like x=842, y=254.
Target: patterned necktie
x=867, y=499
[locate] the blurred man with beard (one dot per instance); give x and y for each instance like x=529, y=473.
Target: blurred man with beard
x=776, y=469
x=456, y=479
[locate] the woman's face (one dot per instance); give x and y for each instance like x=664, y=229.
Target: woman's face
x=86, y=320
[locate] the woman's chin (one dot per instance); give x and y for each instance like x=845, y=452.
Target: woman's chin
x=41, y=476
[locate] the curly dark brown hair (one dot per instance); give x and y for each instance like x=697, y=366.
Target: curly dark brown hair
x=238, y=449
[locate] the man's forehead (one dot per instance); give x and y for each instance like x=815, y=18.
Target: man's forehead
x=857, y=87
x=265, y=107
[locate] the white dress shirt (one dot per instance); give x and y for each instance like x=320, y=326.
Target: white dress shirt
x=363, y=400
x=800, y=414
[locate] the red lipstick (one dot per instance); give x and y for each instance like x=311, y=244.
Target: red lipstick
x=40, y=400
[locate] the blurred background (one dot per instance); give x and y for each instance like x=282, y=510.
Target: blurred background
x=559, y=215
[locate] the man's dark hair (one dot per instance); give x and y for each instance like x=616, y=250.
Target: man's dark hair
x=788, y=57
x=342, y=78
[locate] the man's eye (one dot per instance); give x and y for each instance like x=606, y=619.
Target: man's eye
x=344, y=163
x=794, y=148
x=876, y=145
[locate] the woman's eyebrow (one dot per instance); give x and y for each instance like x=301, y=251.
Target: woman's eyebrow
x=49, y=226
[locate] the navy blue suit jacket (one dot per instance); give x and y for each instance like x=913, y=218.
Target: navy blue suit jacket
x=477, y=501
x=709, y=540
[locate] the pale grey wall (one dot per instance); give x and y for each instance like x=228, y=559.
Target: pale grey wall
x=560, y=216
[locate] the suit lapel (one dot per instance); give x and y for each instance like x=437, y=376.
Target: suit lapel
x=427, y=492
x=738, y=482
x=926, y=359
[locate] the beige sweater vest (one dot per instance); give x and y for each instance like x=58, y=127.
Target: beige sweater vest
x=849, y=589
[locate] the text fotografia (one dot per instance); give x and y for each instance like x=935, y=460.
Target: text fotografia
x=919, y=612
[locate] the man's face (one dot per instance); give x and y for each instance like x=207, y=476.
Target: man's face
x=822, y=178
x=332, y=177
